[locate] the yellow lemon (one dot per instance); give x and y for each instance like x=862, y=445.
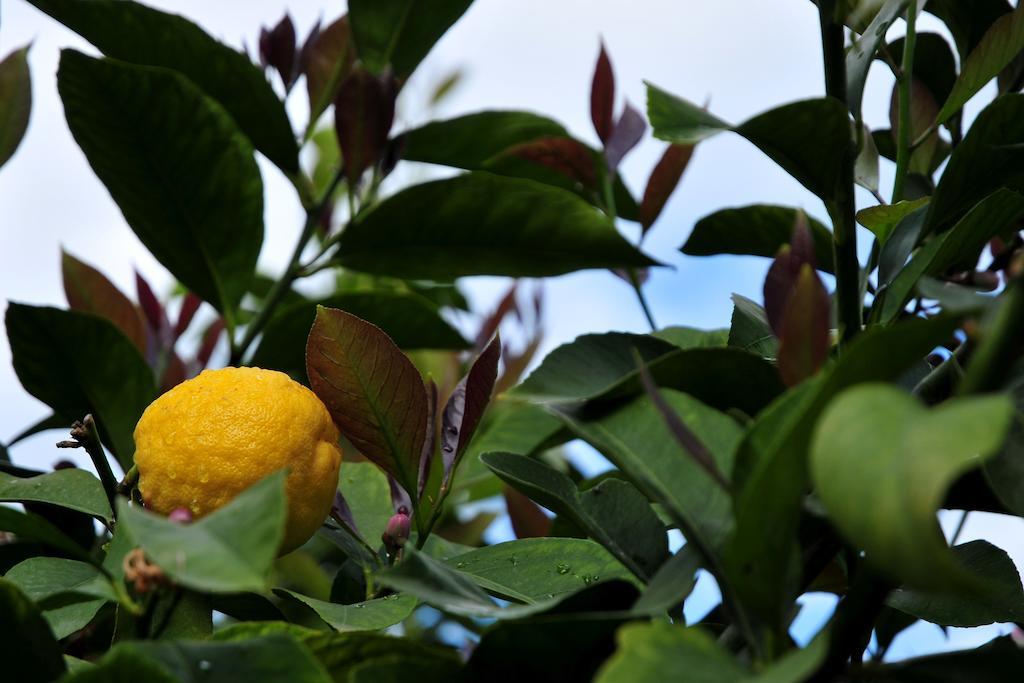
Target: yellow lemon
x=211, y=437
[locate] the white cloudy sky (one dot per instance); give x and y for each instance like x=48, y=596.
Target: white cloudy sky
x=744, y=56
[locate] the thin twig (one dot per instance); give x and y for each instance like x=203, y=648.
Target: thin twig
x=85, y=435
x=903, y=148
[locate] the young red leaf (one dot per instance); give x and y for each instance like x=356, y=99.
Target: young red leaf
x=662, y=182
x=430, y=441
x=327, y=59
x=400, y=500
x=490, y=325
x=89, y=291
x=528, y=520
x=372, y=390
x=563, y=155
x=363, y=113
x=210, y=339
x=785, y=269
x=804, y=340
x=629, y=130
x=466, y=407
x=602, y=96
x=188, y=310
x=175, y=373
x=278, y=50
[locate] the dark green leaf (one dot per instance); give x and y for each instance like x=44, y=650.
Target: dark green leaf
x=89, y=291
x=613, y=513
x=27, y=526
x=759, y=230
x=636, y=439
x=901, y=242
x=873, y=445
x=676, y=120
x=968, y=22
x=229, y=551
x=955, y=249
x=997, y=661
x=1000, y=44
x=396, y=668
x=372, y=390
x=771, y=472
x=78, y=364
x=15, y=101
x=29, y=651
x=483, y=224
x=934, y=64
x=143, y=35
x=692, y=338
x=671, y=585
x=400, y=33
x=862, y=53
x=750, y=330
x=70, y=593
x=197, y=207
x=71, y=488
x=993, y=143
x=372, y=615
x=536, y=570
x=655, y=652
x=1003, y=601
x=409, y=319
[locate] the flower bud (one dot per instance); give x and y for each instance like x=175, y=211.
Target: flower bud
x=180, y=515
x=396, y=533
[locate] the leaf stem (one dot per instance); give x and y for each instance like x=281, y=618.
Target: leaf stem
x=842, y=208
x=906, y=80
x=294, y=269
x=638, y=288
x=85, y=435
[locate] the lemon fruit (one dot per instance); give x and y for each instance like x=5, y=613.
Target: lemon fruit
x=209, y=438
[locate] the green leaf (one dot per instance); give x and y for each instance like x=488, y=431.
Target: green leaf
x=692, y=338
x=655, y=652
x=791, y=135
x=143, y=35
x=29, y=651
x=994, y=144
x=676, y=120
x=366, y=491
x=77, y=364
x=483, y=224
x=883, y=219
x=613, y=513
x=771, y=472
x=750, y=330
x=636, y=439
x=758, y=230
x=671, y=585
x=372, y=390
x=89, y=291
x=372, y=615
x=968, y=22
x=997, y=661
x=409, y=319
x=15, y=101
x=32, y=527
x=71, y=488
x=537, y=570
x=400, y=33
x=862, y=53
x=396, y=668
x=124, y=663
x=986, y=562
x=602, y=366
x=875, y=444
x=70, y=593
x=229, y=551
x=1002, y=42
x=955, y=249
x=197, y=207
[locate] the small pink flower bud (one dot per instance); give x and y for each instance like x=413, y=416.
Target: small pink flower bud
x=396, y=533
x=180, y=515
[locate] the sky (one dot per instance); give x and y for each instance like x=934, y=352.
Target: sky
x=741, y=56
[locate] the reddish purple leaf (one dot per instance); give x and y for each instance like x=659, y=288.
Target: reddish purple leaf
x=490, y=325
x=372, y=390
x=175, y=373
x=363, y=113
x=662, y=183
x=158, y=326
x=188, y=311
x=528, y=520
x=210, y=339
x=342, y=513
x=327, y=59
x=400, y=500
x=804, y=341
x=466, y=407
x=277, y=50
x=602, y=96
x=430, y=442
x=785, y=269
x=88, y=290
x=569, y=157
x=627, y=134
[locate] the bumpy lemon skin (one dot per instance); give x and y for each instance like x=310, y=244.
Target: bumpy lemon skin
x=209, y=438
